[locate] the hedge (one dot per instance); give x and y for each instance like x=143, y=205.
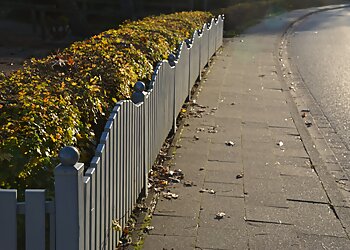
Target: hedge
x=64, y=99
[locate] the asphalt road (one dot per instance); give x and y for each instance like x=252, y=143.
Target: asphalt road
x=320, y=48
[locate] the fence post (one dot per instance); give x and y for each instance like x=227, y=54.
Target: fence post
x=137, y=97
x=172, y=62
x=69, y=201
x=189, y=46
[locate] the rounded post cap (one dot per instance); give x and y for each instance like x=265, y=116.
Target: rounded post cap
x=69, y=155
x=139, y=86
x=188, y=43
x=172, y=59
x=137, y=97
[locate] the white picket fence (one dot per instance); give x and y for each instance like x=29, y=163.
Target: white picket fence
x=89, y=198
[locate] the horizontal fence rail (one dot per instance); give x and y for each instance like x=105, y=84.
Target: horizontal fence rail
x=93, y=203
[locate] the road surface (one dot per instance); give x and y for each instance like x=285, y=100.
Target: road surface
x=320, y=48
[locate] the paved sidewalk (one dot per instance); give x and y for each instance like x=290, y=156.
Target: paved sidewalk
x=265, y=183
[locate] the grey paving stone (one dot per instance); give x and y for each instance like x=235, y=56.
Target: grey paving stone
x=268, y=214
x=275, y=94
x=183, y=206
x=304, y=188
x=312, y=218
x=228, y=112
x=293, y=161
x=191, y=146
x=223, y=153
x=261, y=147
x=288, y=170
x=224, y=189
x=158, y=242
x=251, y=158
x=230, y=166
x=219, y=138
x=323, y=242
x=182, y=159
x=258, y=116
x=344, y=215
x=232, y=207
x=270, y=199
x=222, y=176
x=221, y=238
x=258, y=135
x=261, y=171
x=174, y=226
x=291, y=152
x=272, y=236
x=280, y=122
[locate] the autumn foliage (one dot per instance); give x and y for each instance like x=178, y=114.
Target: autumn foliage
x=64, y=99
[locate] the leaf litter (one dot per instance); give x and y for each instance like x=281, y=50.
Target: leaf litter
x=229, y=143
x=220, y=215
x=206, y=190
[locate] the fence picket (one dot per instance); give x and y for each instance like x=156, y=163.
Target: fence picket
x=91, y=172
x=87, y=213
x=8, y=217
x=35, y=219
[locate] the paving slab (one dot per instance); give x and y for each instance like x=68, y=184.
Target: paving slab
x=268, y=214
x=318, y=219
x=174, y=226
x=236, y=167
x=224, y=189
x=295, y=189
x=272, y=236
x=308, y=241
x=221, y=238
x=232, y=207
x=219, y=176
x=158, y=242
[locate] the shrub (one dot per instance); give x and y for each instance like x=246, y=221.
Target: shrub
x=64, y=99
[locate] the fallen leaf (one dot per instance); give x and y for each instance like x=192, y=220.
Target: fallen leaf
x=219, y=215
x=206, y=190
x=308, y=123
x=188, y=183
x=116, y=226
x=175, y=180
x=148, y=228
x=170, y=195
x=239, y=176
x=229, y=143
